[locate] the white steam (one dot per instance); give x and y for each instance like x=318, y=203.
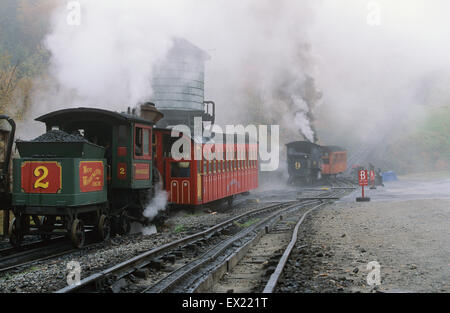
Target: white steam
x=302, y=122
x=157, y=204
x=107, y=61
x=375, y=79
x=301, y=119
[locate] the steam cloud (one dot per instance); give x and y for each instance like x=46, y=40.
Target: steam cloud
x=157, y=204
x=296, y=63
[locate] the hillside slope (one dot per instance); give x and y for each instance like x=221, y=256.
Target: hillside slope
x=427, y=149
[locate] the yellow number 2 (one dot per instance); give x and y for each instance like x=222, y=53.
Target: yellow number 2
x=41, y=172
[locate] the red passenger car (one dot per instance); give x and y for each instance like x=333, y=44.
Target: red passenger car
x=334, y=160
x=196, y=182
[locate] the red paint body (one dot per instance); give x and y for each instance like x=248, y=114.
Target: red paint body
x=142, y=171
x=363, y=180
x=372, y=177
x=334, y=162
x=196, y=182
x=41, y=177
x=91, y=176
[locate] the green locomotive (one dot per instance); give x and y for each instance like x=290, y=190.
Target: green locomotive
x=92, y=169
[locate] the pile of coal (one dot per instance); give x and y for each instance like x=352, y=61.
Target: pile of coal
x=59, y=136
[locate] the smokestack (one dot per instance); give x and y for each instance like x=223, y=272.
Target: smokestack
x=150, y=113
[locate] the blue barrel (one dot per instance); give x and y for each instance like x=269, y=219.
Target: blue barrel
x=389, y=176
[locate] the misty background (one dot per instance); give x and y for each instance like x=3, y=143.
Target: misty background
x=370, y=76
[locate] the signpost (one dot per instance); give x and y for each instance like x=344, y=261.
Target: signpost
x=363, y=181
x=372, y=179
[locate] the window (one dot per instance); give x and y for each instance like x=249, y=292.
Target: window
x=142, y=144
x=138, y=142
x=154, y=138
x=146, y=141
x=124, y=136
x=180, y=169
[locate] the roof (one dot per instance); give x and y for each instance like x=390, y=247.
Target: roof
x=183, y=47
x=89, y=114
x=303, y=147
x=333, y=148
x=302, y=144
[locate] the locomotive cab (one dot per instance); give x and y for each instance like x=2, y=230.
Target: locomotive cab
x=304, y=162
x=99, y=173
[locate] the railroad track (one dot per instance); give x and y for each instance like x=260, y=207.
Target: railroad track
x=275, y=276
x=192, y=260
x=201, y=275
x=189, y=246
x=12, y=258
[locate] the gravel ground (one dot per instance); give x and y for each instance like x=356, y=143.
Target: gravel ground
x=409, y=239
x=202, y=218
x=51, y=275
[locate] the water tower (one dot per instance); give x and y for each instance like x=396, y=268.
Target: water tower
x=179, y=84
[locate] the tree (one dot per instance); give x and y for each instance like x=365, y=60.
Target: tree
x=8, y=82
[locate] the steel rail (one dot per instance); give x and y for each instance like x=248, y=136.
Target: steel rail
x=175, y=278
x=274, y=278
x=28, y=246
x=214, y=263
x=131, y=265
x=271, y=284
x=34, y=252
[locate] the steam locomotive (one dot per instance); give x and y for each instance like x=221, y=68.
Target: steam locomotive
x=308, y=163
x=99, y=169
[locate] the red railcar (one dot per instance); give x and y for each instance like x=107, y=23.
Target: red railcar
x=197, y=182
x=334, y=160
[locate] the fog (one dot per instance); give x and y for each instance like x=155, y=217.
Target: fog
x=362, y=73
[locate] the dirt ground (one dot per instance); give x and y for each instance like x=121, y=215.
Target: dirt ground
x=409, y=239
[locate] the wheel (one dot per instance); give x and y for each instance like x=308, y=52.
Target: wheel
x=15, y=232
x=104, y=228
x=124, y=225
x=77, y=234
